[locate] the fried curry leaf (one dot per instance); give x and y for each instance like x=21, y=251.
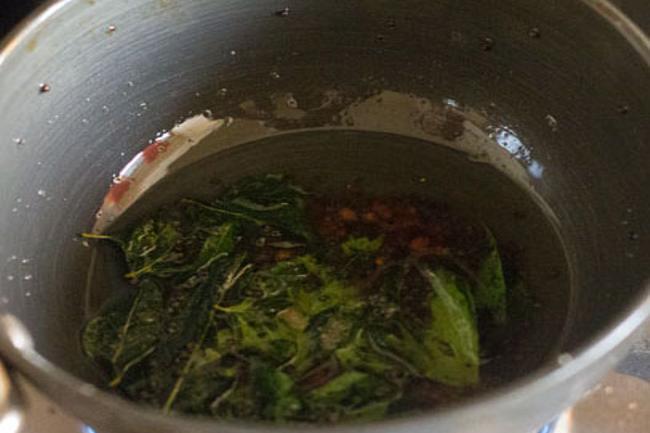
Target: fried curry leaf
x=197, y=356
x=359, y=355
x=150, y=249
x=221, y=324
x=491, y=291
x=219, y=243
x=123, y=337
x=275, y=393
x=447, y=349
x=353, y=395
x=361, y=245
x=266, y=200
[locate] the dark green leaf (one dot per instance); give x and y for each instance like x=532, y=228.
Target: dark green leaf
x=123, y=338
x=353, y=395
x=266, y=200
x=361, y=245
x=275, y=393
x=447, y=349
x=491, y=292
x=149, y=249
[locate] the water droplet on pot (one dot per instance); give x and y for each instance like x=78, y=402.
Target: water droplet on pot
x=130, y=83
x=28, y=294
x=534, y=32
x=19, y=141
x=44, y=87
x=106, y=109
x=423, y=179
x=609, y=390
x=14, y=210
x=233, y=52
x=41, y=192
x=207, y=113
x=283, y=12
x=633, y=236
x=28, y=277
x=564, y=358
x=633, y=405
x=25, y=261
x=111, y=28
x=84, y=121
x=291, y=102
x=487, y=44
x=10, y=277
x=275, y=75
x=223, y=91
x=552, y=122
x=623, y=109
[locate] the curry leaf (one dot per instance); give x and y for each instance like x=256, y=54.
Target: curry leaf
x=352, y=395
x=123, y=338
x=361, y=245
x=240, y=311
x=198, y=354
x=149, y=249
x=491, y=291
x=275, y=393
x=267, y=200
x=453, y=336
x=218, y=244
x=447, y=349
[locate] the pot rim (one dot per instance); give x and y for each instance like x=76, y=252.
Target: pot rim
x=41, y=371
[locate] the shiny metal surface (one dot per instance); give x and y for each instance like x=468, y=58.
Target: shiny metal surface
x=618, y=404
x=576, y=92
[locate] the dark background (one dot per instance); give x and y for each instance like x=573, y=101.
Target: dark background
x=12, y=11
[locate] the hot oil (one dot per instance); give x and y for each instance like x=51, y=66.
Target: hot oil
x=387, y=165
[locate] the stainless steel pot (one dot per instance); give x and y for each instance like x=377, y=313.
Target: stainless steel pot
x=85, y=84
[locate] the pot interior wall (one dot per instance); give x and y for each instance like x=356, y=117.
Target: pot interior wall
x=554, y=76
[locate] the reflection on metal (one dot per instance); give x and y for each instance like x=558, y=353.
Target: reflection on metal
x=11, y=403
x=10, y=422
x=511, y=142
x=150, y=165
x=15, y=332
x=564, y=423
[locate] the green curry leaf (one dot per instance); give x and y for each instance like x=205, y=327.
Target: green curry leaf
x=447, y=349
x=361, y=245
x=123, y=338
x=491, y=291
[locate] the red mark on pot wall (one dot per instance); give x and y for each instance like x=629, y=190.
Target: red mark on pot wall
x=118, y=190
x=151, y=152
